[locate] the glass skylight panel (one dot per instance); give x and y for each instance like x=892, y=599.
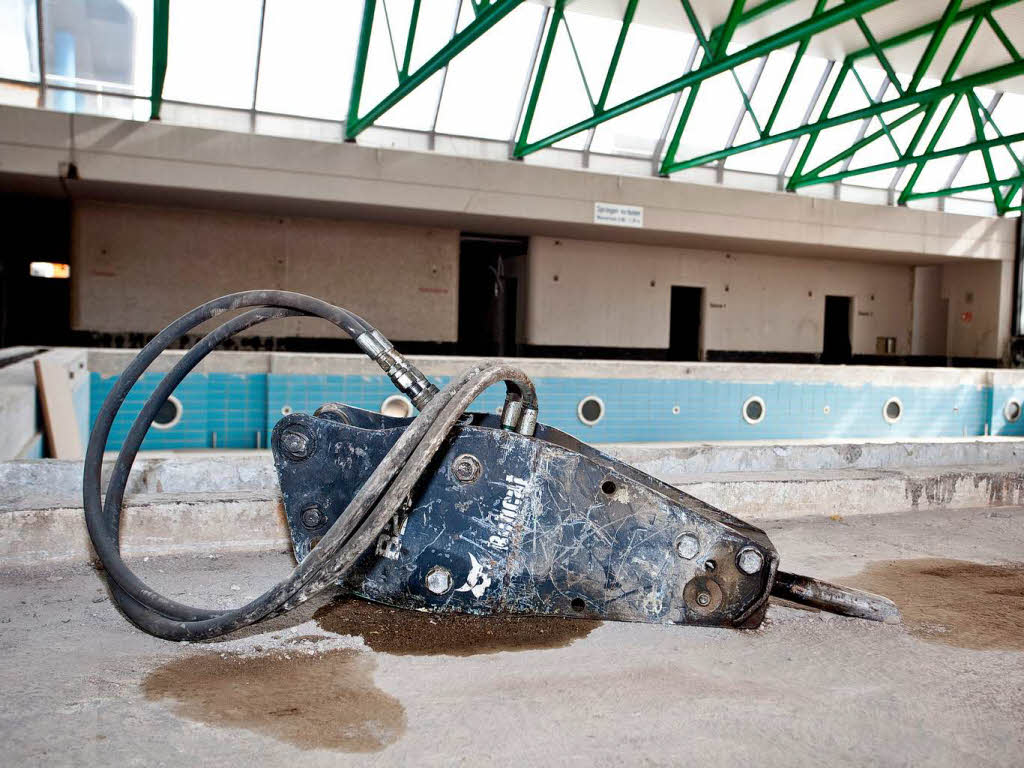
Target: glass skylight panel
x=211, y=52
x=637, y=132
x=595, y=38
x=386, y=56
x=767, y=159
x=563, y=99
x=104, y=46
x=712, y=117
x=19, y=58
x=973, y=172
x=485, y=81
x=308, y=57
x=640, y=69
x=934, y=175
x=851, y=97
x=1006, y=159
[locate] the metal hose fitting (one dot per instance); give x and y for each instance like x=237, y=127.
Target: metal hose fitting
x=409, y=380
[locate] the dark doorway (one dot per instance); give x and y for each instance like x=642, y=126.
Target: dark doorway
x=489, y=271
x=34, y=310
x=836, y=346
x=684, y=323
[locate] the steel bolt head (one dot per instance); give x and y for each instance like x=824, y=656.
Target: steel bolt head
x=439, y=580
x=687, y=546
x=750, y=561
x=296, y=443
x=467, y=468
x=703, y=599
x=313, y=517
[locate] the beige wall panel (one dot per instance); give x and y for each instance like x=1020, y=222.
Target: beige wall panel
x=978, y=297
x=402, y=279
x=604, y=297
x=136, y=268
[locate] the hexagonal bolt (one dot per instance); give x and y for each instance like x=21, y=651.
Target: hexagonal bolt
x=296, y=443
x=313, y=517
x=750, y=561
x=703, y=599
x=687, y=546
x=467, y=468
x=439, y=580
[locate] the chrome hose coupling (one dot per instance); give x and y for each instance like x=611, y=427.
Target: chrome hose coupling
x=409, y=380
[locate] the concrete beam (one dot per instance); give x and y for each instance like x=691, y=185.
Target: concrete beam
x=169, y=164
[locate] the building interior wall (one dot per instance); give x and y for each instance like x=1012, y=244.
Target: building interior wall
x=136, y=268
x=618, y=295
x=980, y=298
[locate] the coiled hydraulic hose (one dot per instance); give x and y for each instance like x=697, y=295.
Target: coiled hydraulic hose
x=373, y=506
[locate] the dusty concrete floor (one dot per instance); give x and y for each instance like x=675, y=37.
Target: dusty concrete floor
x=83, y=687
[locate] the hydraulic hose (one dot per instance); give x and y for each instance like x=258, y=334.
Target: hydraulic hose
x=373, y=506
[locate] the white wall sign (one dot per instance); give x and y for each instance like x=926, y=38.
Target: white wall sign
x=618, y=215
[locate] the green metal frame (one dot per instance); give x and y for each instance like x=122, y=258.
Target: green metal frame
x=710, y=67
x=928, y=100
x=931, y=107
x=161, y=23
x=487, y=13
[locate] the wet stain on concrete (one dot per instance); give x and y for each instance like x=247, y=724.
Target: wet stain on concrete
x=1003, y=489
x=954, y=602
x=415, y=633
x=310, y=699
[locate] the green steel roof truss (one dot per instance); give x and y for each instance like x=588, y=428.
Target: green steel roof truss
x=932, y=107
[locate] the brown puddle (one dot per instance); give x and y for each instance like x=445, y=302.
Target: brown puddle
x=415, y=633
x=323, y=700
x=953, y=601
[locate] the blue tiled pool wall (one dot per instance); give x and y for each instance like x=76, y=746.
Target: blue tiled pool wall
x=239, y=410
x=1002, y=395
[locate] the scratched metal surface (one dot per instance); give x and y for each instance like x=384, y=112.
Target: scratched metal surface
x=551, y=526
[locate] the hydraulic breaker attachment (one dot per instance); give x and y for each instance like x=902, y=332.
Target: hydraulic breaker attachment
x=451, y=510
x=541, y=525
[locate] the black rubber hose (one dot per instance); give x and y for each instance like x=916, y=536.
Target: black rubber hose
x=294, y=303
x=121, y=470
x=336, y=551
x=352, y=533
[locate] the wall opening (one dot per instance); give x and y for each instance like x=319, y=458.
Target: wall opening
x=836, y=346
x=489, y=271
x=34, y=310
x=685, y=322
x=930, y=315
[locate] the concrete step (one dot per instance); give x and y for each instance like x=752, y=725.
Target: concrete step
x=49, y=481
x=208, y=504
x=782, y=495
x=207, y=471
x=675, y=459
x=151, y=524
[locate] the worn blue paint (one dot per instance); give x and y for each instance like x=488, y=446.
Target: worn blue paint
x=238, y=407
